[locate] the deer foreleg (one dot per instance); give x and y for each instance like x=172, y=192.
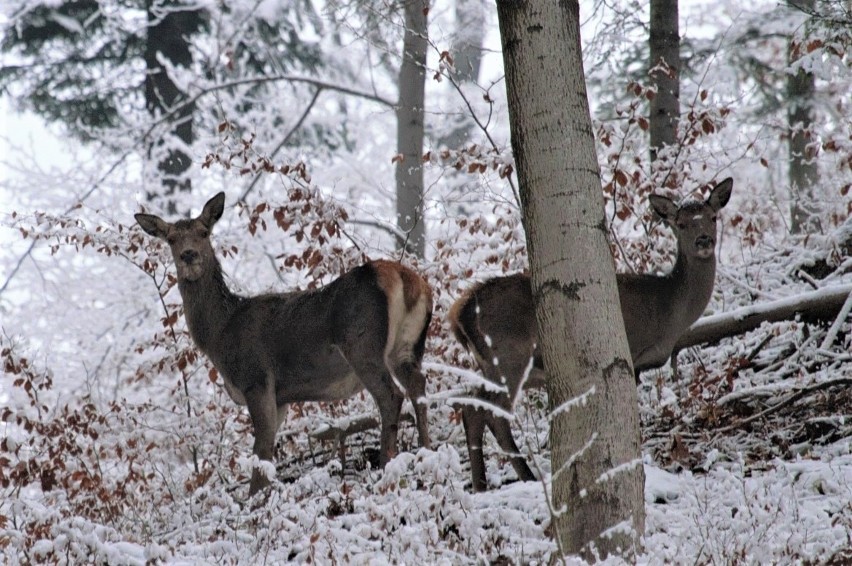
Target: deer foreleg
x=263, y=410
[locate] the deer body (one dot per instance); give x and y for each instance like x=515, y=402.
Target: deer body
x=367, y=329
x=495, y=321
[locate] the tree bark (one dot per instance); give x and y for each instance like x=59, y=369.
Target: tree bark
x=665, y=74
x=803, y=171
x=410, y=129
x=170, y=25
x=466, y=50
x=596, y=460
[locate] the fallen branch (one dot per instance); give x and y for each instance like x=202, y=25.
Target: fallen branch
x=338, y=433
x=792, y=398
x=822, y=305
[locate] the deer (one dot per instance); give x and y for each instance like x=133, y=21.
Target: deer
x=364, y=330
x=495, y=321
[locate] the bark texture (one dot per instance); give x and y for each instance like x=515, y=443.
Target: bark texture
x=409, y=118
x=665, y=74
x=597, y=472
x=170, y=27
x=804, y=175
x=466, y=51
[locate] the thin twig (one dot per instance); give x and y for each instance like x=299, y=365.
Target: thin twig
x=285, y=139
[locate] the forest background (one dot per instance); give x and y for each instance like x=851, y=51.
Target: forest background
x=119, y=444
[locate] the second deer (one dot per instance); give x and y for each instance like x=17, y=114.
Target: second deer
x=367, y=329
x=495, y=320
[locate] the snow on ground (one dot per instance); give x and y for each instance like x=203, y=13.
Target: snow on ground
x=747, y=457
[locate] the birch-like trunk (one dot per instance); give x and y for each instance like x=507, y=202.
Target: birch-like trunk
x=804, y=175
x=597, y=470
x=665, y=74
x=409, y=118
x=467, y=51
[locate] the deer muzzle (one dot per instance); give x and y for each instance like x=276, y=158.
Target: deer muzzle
x=704, y=246
x=189, y=256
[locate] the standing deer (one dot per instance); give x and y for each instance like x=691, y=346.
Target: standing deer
x=495, y=321
x=367, y=329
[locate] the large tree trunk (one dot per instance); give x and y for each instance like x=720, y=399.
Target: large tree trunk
x=803, y=169
x=597, y=468
x=170, y=26
x=665, y=74
x=409, y=118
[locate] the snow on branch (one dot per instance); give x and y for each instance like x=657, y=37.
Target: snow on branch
x=578, y=401
x=816, y=306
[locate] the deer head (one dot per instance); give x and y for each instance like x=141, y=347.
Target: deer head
x=189, y=240
x=694, y=223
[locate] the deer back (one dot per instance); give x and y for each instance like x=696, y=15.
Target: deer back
x=496, y=318
x=495, y=321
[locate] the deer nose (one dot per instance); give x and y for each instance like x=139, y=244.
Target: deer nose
x=704, y=241
x=189, y=256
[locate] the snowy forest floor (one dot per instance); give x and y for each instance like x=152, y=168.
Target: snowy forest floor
x=747, y=459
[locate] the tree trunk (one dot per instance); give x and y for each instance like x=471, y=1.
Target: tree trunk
x=466, y=51
x=170, y=26
x=596, y=460
x=803, y=169
x=409, y=119
x=665, y=74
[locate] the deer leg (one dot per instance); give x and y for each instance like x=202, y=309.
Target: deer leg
x=263, y=409
x=474, y=431
x=515, y=365
x=373, y=373
x=390, y=405
x=413, y=380
x=503, y=433
x=282, y=415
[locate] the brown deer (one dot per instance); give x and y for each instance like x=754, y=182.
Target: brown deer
x=367, y=329
x=495, y=320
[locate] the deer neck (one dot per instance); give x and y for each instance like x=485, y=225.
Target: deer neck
x=692, y=282
x=208, y=304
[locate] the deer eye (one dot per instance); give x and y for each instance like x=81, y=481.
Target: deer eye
x=171, y=240
x=681, y=225
x=204, y=233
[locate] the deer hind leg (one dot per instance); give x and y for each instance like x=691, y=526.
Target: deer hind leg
x=474, y=432
x=282, y=415
x=509, y=374
x=409, y=375
x=388, y=397
x=500, y=426
x=403, y=354
x=366, y=357
x=263, y=410
x=503, y=433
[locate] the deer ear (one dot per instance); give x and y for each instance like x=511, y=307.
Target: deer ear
x=664, y=207
x=720, y=195
x=153, y=225
x=213, y=210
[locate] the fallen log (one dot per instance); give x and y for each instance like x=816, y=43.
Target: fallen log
x=338, y=432
x=822, y=305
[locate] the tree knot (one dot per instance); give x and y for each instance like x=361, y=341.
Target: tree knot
x=569, y=290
